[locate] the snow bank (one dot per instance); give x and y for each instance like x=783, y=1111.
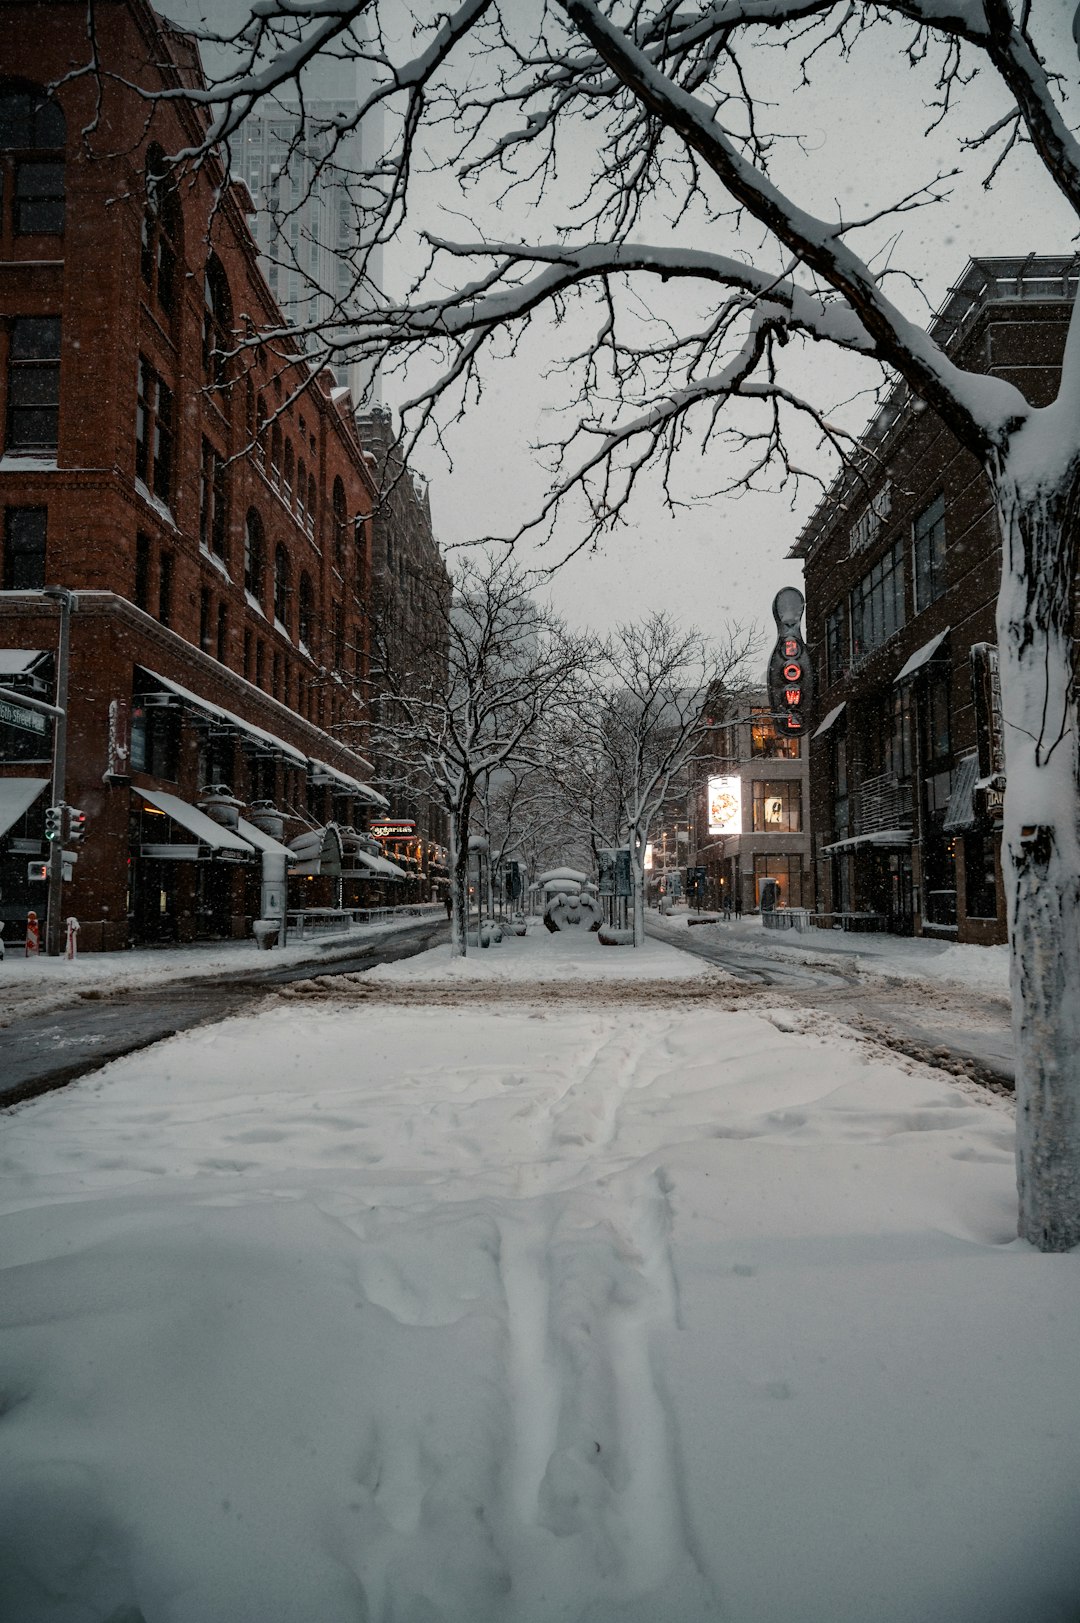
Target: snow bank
x=433, y=1315
x=541, y=956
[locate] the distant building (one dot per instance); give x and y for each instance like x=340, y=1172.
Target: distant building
x=210, y=510
x=750, y=810
x=902, y=561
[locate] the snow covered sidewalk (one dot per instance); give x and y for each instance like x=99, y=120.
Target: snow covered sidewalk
x=472, y=1314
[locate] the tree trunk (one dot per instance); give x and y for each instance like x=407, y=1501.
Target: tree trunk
x=1040, y=842
x=459, y=882
x=637, y=867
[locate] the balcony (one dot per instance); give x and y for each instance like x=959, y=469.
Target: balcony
x=881, y=803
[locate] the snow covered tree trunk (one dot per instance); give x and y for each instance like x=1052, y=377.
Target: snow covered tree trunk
x=1039, y=508
x=459, y=884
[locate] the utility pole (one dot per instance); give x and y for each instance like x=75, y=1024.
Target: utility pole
x=66, y=602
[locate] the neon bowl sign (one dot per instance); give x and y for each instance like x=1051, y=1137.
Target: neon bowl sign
x=791, y=685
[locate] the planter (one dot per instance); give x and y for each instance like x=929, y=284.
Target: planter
x=220, y=805
x=264, y=815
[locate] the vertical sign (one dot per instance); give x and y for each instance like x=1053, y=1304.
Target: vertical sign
x=791, y=689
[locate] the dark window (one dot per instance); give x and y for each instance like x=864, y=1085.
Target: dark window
x=142, y=571
x=340, y=520
x=204, y=619
x=360, y=542
x=339, y=637
x=254, y=555
x=840, y=786
x=34, y=383
x=154, y=430
x=24, y=549
x=312, y=499
x=260, y=663
x=155, y=740
x=301, y=490
x=980, y=876
x=217, y=320
x=281, y=585
x=929, y=548
x=777, y=807
x=835, y=652
x=222, y=631
x=766, y=743
x=32, y=136
x=877, y=603
x=307, y=610
x=289, y=467
x=899, y=757
x=247, y=652
x=938, y=735
x=275, y=454
x=161, y=230
x=276, y=682
x=165, y=580
x=213, y=514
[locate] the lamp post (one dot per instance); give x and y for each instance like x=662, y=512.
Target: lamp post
x=67, y=603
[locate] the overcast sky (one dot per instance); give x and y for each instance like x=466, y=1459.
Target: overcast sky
x=861, y=127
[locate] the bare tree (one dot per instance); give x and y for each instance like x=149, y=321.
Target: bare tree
x=652, y=700
x=467, y=705
x=659, y=103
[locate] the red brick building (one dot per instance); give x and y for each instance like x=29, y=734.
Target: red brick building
x=903, y=563
x=199, y=490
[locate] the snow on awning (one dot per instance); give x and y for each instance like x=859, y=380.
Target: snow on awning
x=885, y=836
x=922, y=656
x=830, y=720
x=17, y=661
x=376, y=867
x=270, y=740
x=17, y=795
x=960, y=813
x=317, y=851
x=205, y=830
x=260, y=840
x=362, y=791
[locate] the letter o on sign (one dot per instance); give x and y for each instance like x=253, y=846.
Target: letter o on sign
x=792, y=672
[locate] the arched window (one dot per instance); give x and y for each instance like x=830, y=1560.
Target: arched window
x=340, y=521
x=301, y=488
x=311, y=501
x=32, y=137
x=217, y=320
x=281, y=585
x=307, y=610
x=275, y=455
x=161, y=231
x=254, y=555
x=289, y=470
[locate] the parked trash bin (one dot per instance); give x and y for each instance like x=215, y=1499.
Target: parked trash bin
x=265, y=932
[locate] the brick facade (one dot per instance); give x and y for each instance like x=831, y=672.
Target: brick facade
x=204, y=495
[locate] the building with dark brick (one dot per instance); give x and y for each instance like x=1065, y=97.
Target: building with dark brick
x=902, y=561
x=204, y=497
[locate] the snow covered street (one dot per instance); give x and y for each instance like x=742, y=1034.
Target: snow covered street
x=408, y=1302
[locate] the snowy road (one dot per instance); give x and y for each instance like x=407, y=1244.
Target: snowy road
x=452, y=1301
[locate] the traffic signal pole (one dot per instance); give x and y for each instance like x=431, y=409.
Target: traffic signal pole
x=66, y=602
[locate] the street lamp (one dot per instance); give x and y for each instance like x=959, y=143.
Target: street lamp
x=67, y=603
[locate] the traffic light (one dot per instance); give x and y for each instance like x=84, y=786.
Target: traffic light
x=54, y=823
x=76, y=825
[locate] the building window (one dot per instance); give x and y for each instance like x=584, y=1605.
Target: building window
x=980, y=876
x=929, y=550
x=142, y=572
x=766, y=743
x=33, y=417
x=340, y=521
x=281, y=586
x=260, y=663
x=24, y=549
x=254, y=556
x=275, y=455
x=289, y=471
x=307, y=611
x=360, y=542
x=877, y=604
x=204, y=619
x=835, y=640
x=786, y=870
x=222, y=632
x=154, y=430
x=339, y=637
x=777, y=807
x=212, y=512
x=32, y=137
x=155, y=740
x=276, y=685
x=938, y=729
x=165, y=580
x=248, y=640
x=301, y=491
x=161, y=229
x=840, y=786
x=899, y=755
x=217, y=320
x=312, y=498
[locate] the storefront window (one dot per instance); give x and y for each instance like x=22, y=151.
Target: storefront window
x=777, y=807
x=786, y=870
x=766, y=743
x=980, y=876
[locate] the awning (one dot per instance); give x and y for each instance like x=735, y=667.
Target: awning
x=262, y=842
x=17, y=661
x=17, y=795
x=373, y=867
x=205, y=830
x=352, y=786
x=922, y=656
x=960, y=812
x=894, y=837
x=315, y=852
x=830, y=720
x=269, y=740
